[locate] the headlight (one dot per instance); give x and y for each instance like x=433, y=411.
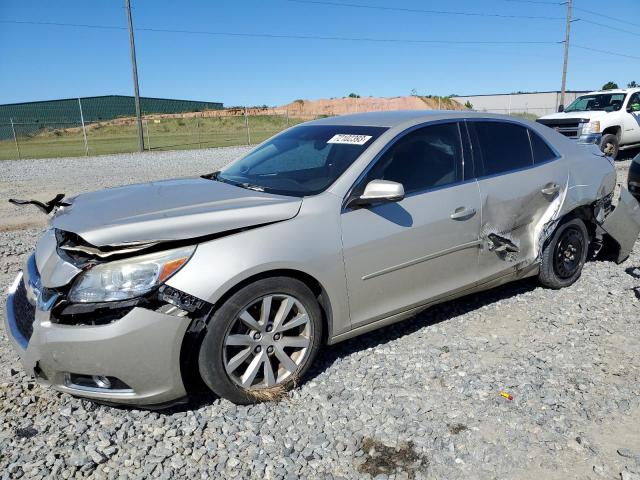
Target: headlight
x=129, y=278
x=591, y=127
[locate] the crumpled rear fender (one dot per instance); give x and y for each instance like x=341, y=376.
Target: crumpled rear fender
x=623, y=224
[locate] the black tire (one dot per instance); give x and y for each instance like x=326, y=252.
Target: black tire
x=214, y=352
x=564, y=255
x=610, y=145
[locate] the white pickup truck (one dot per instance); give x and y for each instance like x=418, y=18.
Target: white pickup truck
x=610, y=117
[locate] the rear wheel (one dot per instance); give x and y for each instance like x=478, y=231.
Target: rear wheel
x=262, y=339
x=610, y=145
x=563, y=257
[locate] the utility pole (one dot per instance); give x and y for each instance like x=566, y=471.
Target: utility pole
x=566, y=52
x=134, y=67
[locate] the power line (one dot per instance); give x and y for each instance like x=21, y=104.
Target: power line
x=602, y=15
x=289, y=36
x=448, y=12
x=608, y=52
x=419, y=10
x=313, y=37
x=538, y=2
x=610, y=27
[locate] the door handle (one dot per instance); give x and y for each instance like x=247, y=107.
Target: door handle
x=550, y=189
x=463, y=213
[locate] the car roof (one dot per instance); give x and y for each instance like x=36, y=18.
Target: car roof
x=394, y=118
x=615, y=90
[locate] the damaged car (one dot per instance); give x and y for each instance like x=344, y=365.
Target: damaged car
x=235, y=280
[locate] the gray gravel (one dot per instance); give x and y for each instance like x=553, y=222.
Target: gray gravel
x=420, y=399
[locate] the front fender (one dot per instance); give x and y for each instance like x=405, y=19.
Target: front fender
x=309, y=243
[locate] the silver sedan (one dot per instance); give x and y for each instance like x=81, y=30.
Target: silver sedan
x=234, y=280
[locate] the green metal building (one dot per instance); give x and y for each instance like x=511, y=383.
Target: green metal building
x=106, y=107
x=32, y=116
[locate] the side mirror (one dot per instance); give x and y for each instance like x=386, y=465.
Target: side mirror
x=560, y=108
x=381, y=191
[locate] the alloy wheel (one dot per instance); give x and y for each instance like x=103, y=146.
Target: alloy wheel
x=267, y=342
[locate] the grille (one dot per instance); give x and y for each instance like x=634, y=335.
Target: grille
x=25, y=312
x=570, y=128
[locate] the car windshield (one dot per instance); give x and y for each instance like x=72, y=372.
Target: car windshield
x=302, y=161
x=609, y=102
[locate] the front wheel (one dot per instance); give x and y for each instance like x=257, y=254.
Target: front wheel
x=564, y=255
x=261, y=340
x=610, y=145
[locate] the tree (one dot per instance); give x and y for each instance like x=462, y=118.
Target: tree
x=354, y=95
x=468, y=105
x=610, y=86
x=632, y=84
x=414, y=92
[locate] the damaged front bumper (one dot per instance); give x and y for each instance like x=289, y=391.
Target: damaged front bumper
x=623, y=224
x=134, y=360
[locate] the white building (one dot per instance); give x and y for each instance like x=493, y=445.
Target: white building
x=535, y=103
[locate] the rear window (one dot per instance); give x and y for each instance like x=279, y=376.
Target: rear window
x=502, y=147
x=541, y=151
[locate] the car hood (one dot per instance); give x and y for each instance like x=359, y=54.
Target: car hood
x=595, y=115
x=169, y=210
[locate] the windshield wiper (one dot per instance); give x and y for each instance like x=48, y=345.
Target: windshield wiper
x=216, y=177
x=249, y=186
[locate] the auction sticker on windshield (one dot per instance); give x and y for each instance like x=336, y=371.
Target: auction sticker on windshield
x=349, y=139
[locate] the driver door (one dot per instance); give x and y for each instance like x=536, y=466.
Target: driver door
x=631, y=132
x=400, y=255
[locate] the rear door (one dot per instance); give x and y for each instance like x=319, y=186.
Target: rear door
x=399, y=255
x=522, y=182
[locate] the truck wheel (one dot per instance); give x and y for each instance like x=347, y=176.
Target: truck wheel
x=563, y=257
x=261, y=340
x=610, y=145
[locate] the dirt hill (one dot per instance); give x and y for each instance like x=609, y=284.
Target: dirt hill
x=343, y=106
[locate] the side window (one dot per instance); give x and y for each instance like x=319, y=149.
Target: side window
x=634, y=100
x=502, y=147
x=425, y=158
x=541, y=151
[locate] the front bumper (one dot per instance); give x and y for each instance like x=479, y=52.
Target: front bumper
x=623, y=224
x=142, y=349
x=590, y=138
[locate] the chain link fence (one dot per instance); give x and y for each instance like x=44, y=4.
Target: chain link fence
x=77, y=130
x=67, y=137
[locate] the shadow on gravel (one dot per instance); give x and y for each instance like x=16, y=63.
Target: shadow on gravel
x=431, y=316
x=329, y=354
x=627, y=154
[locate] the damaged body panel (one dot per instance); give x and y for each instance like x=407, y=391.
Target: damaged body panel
x=623, y=224
x=169, y=210
x=131, y=286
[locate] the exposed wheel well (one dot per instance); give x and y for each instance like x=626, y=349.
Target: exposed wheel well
x=313, y=284
x=585, y=213
x=193, y=339
x=615, y=130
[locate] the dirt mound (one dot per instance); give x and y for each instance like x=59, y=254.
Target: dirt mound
x=343, y=106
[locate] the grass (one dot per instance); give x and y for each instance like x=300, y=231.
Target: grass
x=120, y=136
x=527, y=116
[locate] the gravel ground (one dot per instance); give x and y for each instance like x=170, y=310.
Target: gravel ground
x=419, y=399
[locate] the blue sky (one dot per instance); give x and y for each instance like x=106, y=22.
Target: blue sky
x=47, y=62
